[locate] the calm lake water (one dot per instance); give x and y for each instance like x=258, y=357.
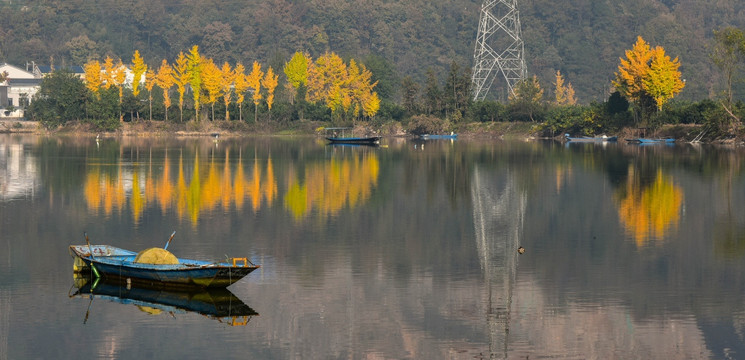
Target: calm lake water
x=404, y=251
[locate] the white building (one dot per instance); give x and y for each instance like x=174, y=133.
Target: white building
x=21, y=85
x=17, y=90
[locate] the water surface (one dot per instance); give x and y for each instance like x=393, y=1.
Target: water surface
x=408, y=250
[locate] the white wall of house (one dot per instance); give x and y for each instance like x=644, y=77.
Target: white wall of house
x=16, y=95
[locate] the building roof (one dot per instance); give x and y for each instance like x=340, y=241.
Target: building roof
x=46, y=69
x=15, y=72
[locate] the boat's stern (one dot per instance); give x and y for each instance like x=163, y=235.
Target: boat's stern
x=78, y=265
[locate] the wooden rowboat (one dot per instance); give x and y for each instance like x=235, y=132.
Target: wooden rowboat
x=591, y=139
x=111, y=262
x=439, y=137
x=354, y=140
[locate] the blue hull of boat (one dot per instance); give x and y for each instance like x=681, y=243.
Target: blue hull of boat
x=116, y=263
x=652, y=141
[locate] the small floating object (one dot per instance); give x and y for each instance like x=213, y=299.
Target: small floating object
x=521, y=250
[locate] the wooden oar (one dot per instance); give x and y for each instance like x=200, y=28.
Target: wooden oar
x=89, y=244
x=169, y=240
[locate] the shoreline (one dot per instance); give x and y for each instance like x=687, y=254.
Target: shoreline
x=490, y=130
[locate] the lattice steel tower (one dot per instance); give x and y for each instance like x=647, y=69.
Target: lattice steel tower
x=499, y=47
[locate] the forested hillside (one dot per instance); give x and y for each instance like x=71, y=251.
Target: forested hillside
x=582, y=38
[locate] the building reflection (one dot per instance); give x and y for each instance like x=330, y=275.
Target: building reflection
x=19, y=177
x=650, y=211
x=220, y=182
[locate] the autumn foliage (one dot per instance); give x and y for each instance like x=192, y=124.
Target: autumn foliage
x=345, y=88
x=648, y=72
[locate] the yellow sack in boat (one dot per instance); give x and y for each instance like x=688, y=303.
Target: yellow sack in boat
x=158, y=256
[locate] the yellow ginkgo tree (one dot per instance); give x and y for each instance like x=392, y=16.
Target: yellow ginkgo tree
x=139, y=68
x=241, y=86
x=564, y=93
x=254, y=83
x=296, y=71
x=270, y=82
x=93, y=76
x=194, y=61
x=212, y=83
x=648, y=76
x=181, y=79
x=227, y=77
x=345, y=89
x=663, y=81
x=164, y=80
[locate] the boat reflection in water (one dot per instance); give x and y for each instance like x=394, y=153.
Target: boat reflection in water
x=219, y=304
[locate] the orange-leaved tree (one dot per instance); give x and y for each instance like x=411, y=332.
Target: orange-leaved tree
x=211, y=81
x=226, y=86
x=564, y=93
x=164, y=80
x=138, y=69
x=647, y=76
x=241, y=86
x=93, y=76
x=327, y=79
x=270, y=83
x=181, y=79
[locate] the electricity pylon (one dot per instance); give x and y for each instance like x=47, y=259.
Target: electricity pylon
x=499, y=47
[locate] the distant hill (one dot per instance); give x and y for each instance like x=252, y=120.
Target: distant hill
x=582, y=38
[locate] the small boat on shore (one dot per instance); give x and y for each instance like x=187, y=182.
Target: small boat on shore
x=111, y=262
x=651, y=141
x=437, y=137
x=343, y=139
x=371, y=140
x=591, y=139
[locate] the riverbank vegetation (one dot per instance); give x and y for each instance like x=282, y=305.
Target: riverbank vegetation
x=331, y=91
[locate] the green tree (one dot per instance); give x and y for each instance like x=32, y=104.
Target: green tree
x=432, y=94
x=526, y=101
x=410, y=97
x=61, y=98
x=457, y=91
x=103, y=109
x=729, y=56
